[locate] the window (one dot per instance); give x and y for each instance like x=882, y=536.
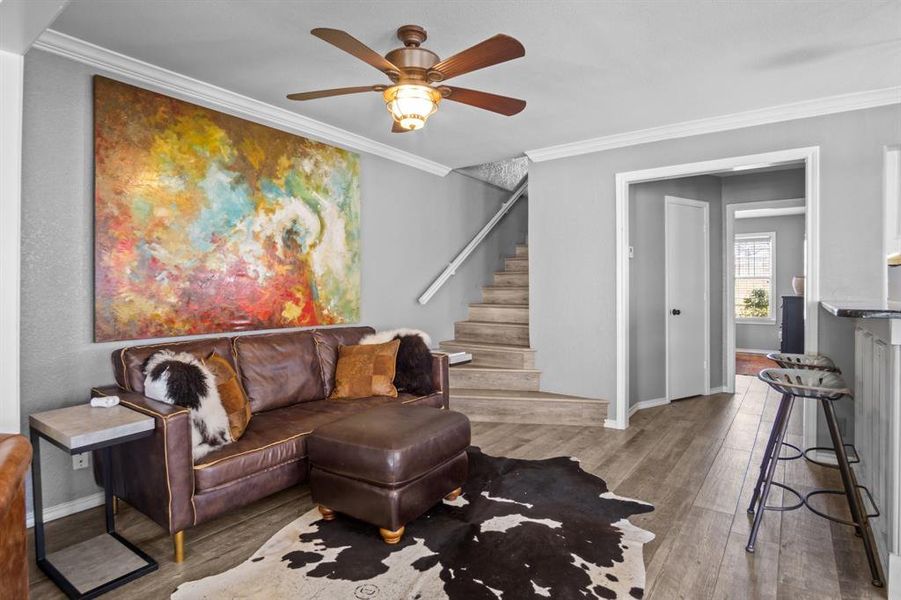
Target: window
x=754, y=276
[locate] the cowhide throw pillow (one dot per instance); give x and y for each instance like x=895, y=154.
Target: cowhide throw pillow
x=181, y=379
x=414, y=359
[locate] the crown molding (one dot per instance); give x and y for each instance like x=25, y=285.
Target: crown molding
x=219, y=98
x=751, y=118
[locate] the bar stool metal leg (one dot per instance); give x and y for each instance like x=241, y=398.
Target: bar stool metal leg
x=768, y=453
x=788, y=400
x=852, y=492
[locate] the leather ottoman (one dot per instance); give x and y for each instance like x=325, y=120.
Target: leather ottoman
x=389, y=465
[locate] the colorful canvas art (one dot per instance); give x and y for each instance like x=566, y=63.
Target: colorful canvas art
x=205, y=222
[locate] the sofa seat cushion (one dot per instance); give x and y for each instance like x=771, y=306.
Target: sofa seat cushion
x=272, y=438
x=389, y=445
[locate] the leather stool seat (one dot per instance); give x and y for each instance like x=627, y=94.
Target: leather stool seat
x=388, y=465
x=819, y=362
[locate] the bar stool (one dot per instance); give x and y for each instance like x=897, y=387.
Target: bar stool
x=813, y=377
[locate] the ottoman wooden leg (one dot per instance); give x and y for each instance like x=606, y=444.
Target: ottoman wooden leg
x=327, y=513
x=391, y=537
x=454, y=495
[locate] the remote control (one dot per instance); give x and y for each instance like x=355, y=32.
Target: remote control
x=105, y=401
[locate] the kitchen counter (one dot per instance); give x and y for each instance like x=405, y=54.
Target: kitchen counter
x=859, y=309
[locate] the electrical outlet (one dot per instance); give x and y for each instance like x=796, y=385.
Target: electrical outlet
x=81, y=461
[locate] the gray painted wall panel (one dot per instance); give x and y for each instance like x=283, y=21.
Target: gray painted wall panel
x=413, y=224
x=572, y=235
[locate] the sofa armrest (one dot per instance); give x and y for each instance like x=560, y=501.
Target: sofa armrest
x=15, y=458
x=440, y=377
x=155, y=474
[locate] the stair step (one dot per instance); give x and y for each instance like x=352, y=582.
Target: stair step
x=492, y=378
x=491, y=355
x=511, y=334
x=528, y=407
x=513, y=278
x=499, y=313
x=522, y=250
x=516, y=264
x=505, y=295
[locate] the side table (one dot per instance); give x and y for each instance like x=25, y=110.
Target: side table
x=97, y=565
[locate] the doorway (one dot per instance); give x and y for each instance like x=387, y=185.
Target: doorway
x=687, y=298
x=765, y=267
x=809, y=158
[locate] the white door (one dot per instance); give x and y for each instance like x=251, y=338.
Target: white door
x=687, y=293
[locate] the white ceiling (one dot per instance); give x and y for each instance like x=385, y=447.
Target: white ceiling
x=21, y=21
x=591, y=68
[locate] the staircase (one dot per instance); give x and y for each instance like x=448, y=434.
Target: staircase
x=501, y=384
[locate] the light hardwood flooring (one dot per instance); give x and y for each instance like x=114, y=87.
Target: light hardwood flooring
x=695, y=460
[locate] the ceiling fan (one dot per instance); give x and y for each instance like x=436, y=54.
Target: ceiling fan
x=412, y=98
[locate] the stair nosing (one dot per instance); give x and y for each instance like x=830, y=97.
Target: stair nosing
x=471, y=367
x=480, y=394
x=485, y=345
x=498, y=305
x=497, y=323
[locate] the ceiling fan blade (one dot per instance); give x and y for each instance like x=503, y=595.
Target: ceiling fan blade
x=396, y=128
x=335, y=92
x=499, y=104
x=492, y=51
x=351, y=45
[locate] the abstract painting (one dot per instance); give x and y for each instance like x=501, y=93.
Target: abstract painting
x=205, y=222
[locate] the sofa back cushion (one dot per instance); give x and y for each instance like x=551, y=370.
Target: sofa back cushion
x=279, y=369
x=328, y=341
x=128, y=363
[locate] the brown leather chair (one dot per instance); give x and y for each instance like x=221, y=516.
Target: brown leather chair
x=287, y=377
x=15, y=457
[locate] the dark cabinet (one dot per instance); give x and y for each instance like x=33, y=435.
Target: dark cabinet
x=792, y=324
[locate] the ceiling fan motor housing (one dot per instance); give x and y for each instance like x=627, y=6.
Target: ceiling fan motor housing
x=413, y=61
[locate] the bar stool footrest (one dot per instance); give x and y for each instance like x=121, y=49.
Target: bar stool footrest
x=853, y=456
x=796, y=506
x=798, y=452
x=804, y=500
x=833, y=518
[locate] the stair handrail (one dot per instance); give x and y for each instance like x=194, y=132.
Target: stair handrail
x=452, y=267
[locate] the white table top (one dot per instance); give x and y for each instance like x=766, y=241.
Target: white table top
x=84, y=425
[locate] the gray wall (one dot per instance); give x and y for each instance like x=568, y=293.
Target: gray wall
x=647, y=310
x=758, y=187
x=412, y=225
x=789, y=262
x=572, y=235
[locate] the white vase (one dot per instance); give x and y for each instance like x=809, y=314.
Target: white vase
x=798, y=284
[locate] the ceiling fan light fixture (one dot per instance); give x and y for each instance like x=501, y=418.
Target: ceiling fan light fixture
x=411, y=104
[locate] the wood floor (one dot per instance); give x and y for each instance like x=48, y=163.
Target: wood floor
x=747, y=363
x=695, y=460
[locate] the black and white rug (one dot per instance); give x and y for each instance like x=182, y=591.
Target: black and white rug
x=522, y=529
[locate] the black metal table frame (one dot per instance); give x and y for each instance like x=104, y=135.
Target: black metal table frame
x=40, y=550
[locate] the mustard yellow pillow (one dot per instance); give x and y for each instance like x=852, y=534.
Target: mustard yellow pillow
x=234, y=400
x=364, y=371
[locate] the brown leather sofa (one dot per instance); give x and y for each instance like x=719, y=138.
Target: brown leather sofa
x=287, y=377
x=15, y=458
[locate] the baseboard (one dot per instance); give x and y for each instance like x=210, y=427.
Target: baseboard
x=753, y=351
x=612, y=424
x=647, y=404
x=717, y=390
x=894, y=576
x=51, y=513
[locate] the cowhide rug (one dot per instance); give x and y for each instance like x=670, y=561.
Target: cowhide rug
x=522, y=529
